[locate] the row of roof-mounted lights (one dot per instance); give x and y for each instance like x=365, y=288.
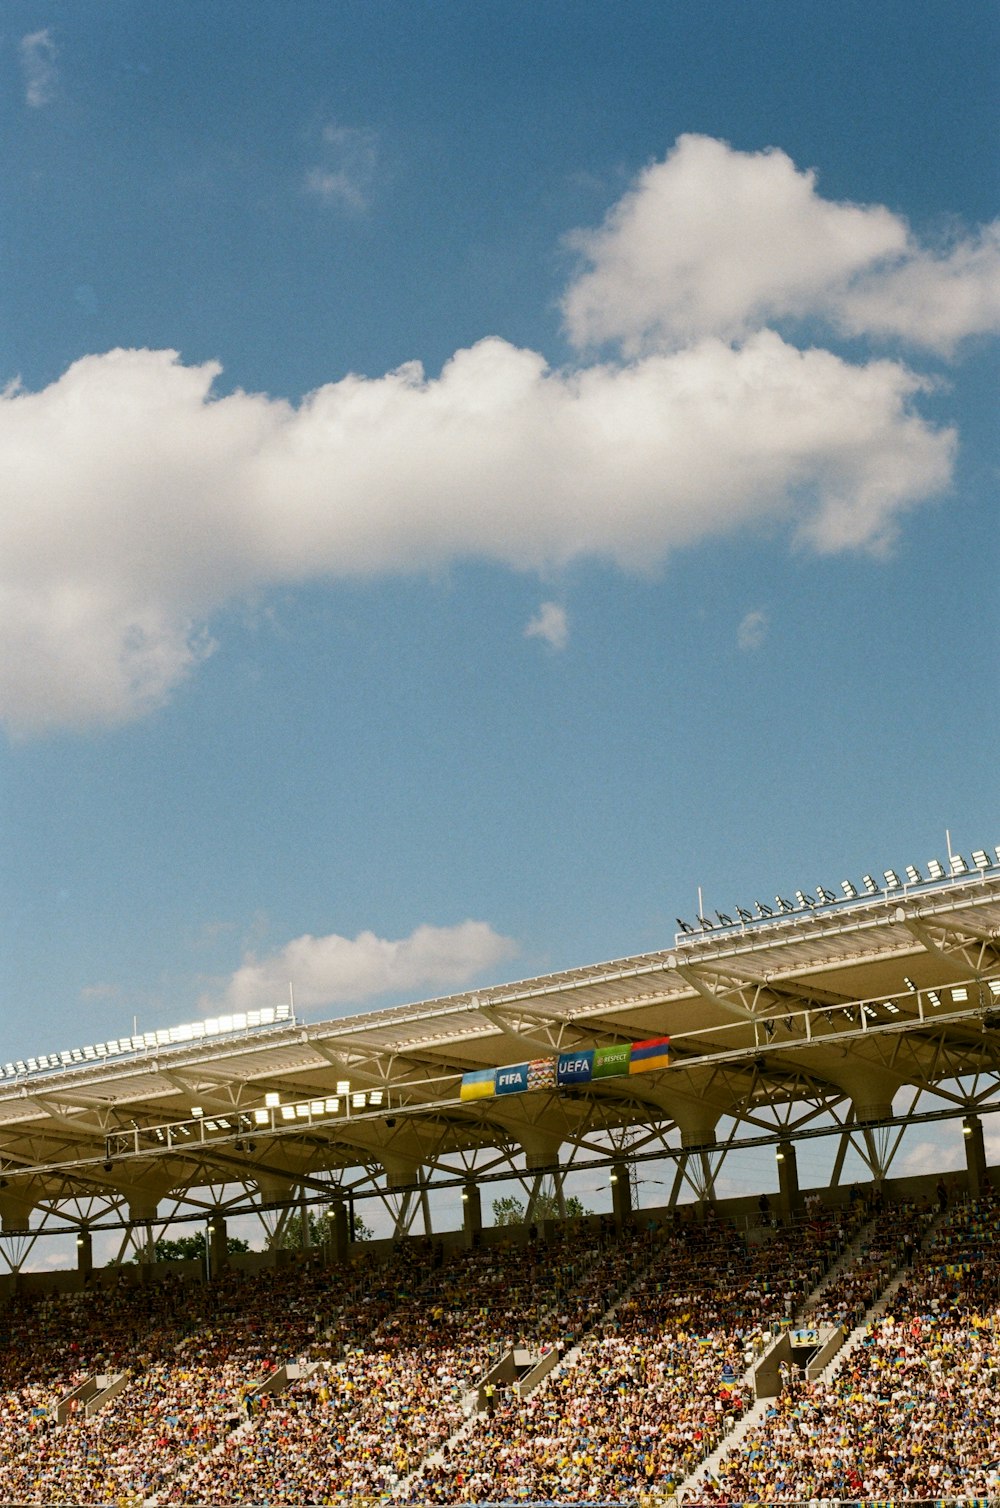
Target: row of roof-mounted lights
x=194, y=1031
x=981, y=862
x=273, y=1109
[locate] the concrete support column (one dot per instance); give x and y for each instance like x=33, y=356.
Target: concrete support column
x=975, y=1154
x=621, y=1195
x=218, y=1245
x=472, y=1213
x=789, y=1199
x=338, y=1238
x=84, y=1254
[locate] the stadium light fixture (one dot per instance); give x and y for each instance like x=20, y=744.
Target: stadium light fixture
x=779, y=1156
x=272, y=1099
x=375, y=1097
x=958, y=864
x=935, y=869
x=981, y=859
x=197, y=1112
x=850, y=891
x=343, y=1086
x=913, y=875
x=870, y=885
x=358, y=1099
x=892, y=880
x=261, y=1117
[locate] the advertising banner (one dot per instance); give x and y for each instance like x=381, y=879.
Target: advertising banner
x=609, y=1062
x=480, y=1085
x=513, y=1079
x=653, y=1053
x=575, y=1067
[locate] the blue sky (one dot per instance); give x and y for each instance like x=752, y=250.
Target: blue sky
x=573, y=484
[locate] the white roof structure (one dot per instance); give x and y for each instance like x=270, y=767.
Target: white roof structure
x=832, y=1014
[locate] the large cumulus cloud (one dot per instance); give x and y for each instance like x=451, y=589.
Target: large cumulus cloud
x=135, y=501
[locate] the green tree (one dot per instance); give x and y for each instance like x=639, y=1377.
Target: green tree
x=290, y=1237
x=510, y=1211
x=190, y=1248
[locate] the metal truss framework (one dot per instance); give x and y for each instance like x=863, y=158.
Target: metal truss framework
x=853, y=1025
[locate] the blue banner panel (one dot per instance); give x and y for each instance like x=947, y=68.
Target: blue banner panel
x=512, y=1080
x=575, y=1067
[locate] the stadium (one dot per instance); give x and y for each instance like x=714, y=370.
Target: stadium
x=701, y=1338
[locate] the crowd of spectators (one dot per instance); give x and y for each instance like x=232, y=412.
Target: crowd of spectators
x=654, y=1330
x=914, y=1410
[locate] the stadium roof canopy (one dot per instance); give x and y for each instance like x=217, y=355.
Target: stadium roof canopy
x=844, y=1014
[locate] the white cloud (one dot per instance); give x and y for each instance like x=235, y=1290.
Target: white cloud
x=346, y=174
x=134, y=504
x=331, y=971
x=753, y=629
x=712, y=241
x=550, y=624
x=38, y=65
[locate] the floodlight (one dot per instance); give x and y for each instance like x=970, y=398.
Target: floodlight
x=892, y=880
x=343, y=1086
x=288, y=1112
x=909, y=983
x=613, y=1179
x=89, y=1053
x=32, y=1065
x=996, y=850
x=211, y=1126
x=995, y=987
x=981, y=858
x=261, y=1117
x=870, y=884
x=724, y=919
x=849, y=890
x=743, y=914
x=21, y=1066
x=272, y=1099
x=302, y=1111
x=197, y=1111
x=783, y=904
x=913, y=875
x=9, y=1070
x=779, y=1156
x=825, y=895
x=935, y=869
x=968, y=1126
x=375, y=1097
x=358, y=1099
x=958, y=864
x=891, y=1007
x=317, y=1107
x=763, y=910
x=934, y=997
x=332, y=1107
x=804, y=900
x=959, y=995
